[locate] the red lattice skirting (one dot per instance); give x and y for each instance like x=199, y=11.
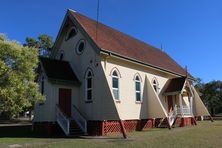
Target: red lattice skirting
x=101, y=128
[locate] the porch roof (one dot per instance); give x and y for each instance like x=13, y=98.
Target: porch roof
x=175, y=86
x=57, y=70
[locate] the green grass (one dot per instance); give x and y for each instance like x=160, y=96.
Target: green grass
x=204, y=135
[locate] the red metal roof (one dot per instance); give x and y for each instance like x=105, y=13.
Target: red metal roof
x=125, y=45
x=58, y=70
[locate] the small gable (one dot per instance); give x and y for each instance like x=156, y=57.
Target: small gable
x=57, y=70
x=175, y=85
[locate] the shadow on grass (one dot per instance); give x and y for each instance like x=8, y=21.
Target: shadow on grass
x=24, y=131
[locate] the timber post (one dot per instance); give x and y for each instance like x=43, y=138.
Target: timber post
x=123, y=129
x=211, y=119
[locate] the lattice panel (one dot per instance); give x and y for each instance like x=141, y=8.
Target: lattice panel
x=112, y=127
x=131, y=125
x=147, y=124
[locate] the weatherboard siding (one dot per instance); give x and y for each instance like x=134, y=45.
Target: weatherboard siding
x=80, y=64
x=128, y=108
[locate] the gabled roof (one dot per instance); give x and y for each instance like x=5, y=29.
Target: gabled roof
x=57, y=70
x=175, y=85
x=111, y=40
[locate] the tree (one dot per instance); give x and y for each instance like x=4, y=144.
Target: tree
x=44, y=43
x=18, y=89
x=211, y=94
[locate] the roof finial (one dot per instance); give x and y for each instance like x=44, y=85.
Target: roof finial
x=97, y=18
x=161, y=47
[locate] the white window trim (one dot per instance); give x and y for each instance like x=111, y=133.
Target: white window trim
x=116, y=99
x=86, y=87
x=67, y=34
x=77, y=46
x=61, y=52
x=42, y=85
x=157, y=86
x=136, y=91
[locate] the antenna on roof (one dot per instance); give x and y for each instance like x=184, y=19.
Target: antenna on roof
x=97, y=17
x=161, y=47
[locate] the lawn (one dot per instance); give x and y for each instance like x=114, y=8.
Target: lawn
x=205, y=134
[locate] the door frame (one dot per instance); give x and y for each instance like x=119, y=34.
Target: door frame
x=65, y=101
x=170, y=103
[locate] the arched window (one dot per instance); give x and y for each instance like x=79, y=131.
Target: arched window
x=61, y=55
x=71, y=33
x=42, y=85
x=115, y=84
x=156, y=85
x=138, y=88
x=89, y=84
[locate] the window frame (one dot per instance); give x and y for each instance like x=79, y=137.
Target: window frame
x=87, y=100
x=77, y=46
x=61, y=55
x=42, y=85
x=155, y=85
x=118, y=87
x=138, y=91
x=69, y=31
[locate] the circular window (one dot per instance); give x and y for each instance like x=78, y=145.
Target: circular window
x=80, y=46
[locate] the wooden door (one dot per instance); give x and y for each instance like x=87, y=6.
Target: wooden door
x=170, y=103
x=65, y=96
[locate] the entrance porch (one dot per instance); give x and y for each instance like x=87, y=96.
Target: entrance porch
x=180, y=104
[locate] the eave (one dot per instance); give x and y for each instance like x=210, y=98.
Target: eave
x=132, y=60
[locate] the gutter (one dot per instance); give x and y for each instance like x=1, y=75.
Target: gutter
x=132, y=60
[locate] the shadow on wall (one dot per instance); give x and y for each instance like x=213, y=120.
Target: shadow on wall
x=152, y=106
x=144, y=105
x=162, y=98
x=108, y=107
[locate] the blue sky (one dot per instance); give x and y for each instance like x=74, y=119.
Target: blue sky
x=189, y=31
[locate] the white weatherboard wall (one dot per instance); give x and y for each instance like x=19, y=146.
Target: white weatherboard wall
x=80, y=64
x=128, y=108
x=45, y=112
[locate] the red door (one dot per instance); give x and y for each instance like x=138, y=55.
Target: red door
x=170, y=103
x=65, y=101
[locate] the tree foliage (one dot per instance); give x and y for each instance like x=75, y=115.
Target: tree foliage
x=44, y=43
x=211, y=93
x=17, y=87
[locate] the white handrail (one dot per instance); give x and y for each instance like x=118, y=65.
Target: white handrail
x=172, y=116
x=62, y=120
x=185, y=110
x=177, y=111
x=79, y=118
